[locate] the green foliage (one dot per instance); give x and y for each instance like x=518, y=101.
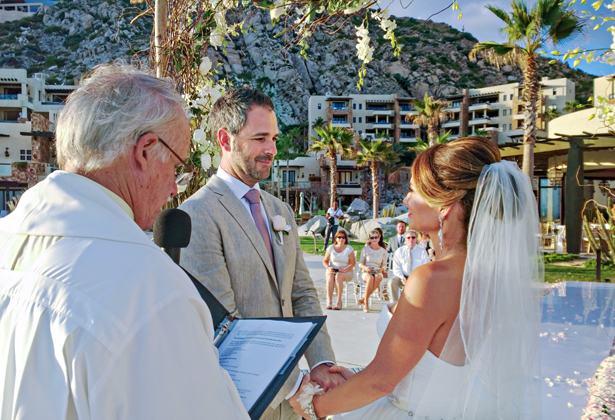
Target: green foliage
x=469, y=37
x=55, y=29
x=551, y=258
x=593, y=263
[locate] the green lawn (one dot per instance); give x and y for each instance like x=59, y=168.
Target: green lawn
x=553, y=273
x=557, y=273
x=307, y=245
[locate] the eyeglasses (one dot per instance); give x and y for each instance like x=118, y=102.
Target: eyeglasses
x=373, y=237
x=411, y=237
x=341, y=237
x=188, y=172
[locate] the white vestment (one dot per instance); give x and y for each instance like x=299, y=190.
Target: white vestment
x=100, y=324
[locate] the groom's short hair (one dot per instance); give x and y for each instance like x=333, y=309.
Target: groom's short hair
x=230, y=111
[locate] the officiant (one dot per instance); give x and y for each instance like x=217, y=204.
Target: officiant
x=96, y=321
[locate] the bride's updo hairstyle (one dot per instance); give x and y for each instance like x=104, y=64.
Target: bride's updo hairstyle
x=448, y=173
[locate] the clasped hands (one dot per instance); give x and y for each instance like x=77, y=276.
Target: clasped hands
x=328, y=376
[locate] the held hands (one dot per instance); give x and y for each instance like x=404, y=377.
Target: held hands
x=324, y=376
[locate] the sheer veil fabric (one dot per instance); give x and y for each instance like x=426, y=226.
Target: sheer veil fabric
x=496, y=335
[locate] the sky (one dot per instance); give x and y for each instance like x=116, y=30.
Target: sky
x=485, y=26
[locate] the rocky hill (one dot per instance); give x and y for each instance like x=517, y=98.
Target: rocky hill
x=74, y=35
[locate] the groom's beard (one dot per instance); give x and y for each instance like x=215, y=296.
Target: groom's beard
x=249, y=166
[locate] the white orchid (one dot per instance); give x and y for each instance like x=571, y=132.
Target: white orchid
x=199, y=136
x=205, y=66
x=206, y=161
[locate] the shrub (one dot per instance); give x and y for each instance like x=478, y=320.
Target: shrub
x=592, y=264
x=551, y=258
x=469, y=37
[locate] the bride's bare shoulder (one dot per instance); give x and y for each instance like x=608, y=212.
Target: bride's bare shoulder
x=437, y=278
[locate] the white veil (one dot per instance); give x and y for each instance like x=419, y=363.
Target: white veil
x=495, y=340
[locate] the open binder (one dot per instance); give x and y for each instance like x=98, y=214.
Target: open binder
x=237, y=335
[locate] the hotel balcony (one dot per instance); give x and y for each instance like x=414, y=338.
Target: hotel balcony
x=407, y=140
x=341, y=124
x=349, y=189
x=518, y=117
x=451, y=124
x=388, y=112
x=15, y=101
x=408, y=112
x=380, y=125
x=408, y=125
x=481, y=107
x=453, y=109
x=480, y=120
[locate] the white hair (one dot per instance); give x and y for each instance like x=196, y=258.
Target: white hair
x=108, y=113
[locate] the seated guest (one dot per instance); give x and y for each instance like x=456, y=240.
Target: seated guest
x=381, y=241
x=405, y=260
x=397, y=241
x=339, y=262
x=96, y=322
x=373, y=263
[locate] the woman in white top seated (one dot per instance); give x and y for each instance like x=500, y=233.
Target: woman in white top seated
x=373, y=263
x=339, y=262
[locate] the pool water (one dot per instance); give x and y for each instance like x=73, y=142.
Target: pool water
x=577, y=330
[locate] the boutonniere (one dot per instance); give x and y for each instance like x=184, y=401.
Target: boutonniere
x=279, y=225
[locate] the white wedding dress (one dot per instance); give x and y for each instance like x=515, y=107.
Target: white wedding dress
x=411, y=391
x=489, y=367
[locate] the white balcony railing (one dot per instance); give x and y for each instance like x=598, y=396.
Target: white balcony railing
x=480, y=107
x=450, y=124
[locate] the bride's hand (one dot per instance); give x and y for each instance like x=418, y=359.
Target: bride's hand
x=346, y=373
x=293, y=401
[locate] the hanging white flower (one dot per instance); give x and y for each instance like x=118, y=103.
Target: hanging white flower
x=205, y=65
x=277, y=10
x=199, y=136
x=216, y=161
x=206, y=161
x=216, y=39
x=215, y=94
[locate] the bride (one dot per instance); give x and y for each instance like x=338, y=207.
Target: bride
x=462, y=342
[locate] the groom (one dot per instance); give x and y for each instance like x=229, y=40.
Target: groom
x=252, y=265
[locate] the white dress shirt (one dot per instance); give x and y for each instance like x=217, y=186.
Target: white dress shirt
x=239, y=189
x=400, y=260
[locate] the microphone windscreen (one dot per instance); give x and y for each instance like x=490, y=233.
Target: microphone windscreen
x=172, y=229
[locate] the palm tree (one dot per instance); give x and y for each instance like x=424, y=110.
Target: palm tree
x=334, y=141
x=528, y=32
x=372, y=154
x=421, y=146
x=431, y=113
x=553, y=113
x=574, y=106
x=318, y=123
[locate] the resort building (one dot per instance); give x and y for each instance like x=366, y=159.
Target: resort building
x=11, y=10
x=498, y=110
x=29, y=109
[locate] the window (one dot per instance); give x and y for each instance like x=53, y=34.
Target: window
x=360, y=119
x=511, y=96
x=340, y=120
x=456, y=104
x=354, y=106
x=504, y=127
x=319, y=106
x=510, y=126
x=354, y=119
x=360, y=132
x=291, y=177
x=339, y=106
x=25, y=155
x=344, y=177
x=404, y=107
x=360, y=106
x=504, y=113
x=554, y=91
x=554, y=106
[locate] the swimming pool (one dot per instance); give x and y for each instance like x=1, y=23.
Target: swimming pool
x=577, y=330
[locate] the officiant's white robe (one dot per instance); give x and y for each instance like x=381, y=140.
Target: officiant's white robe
x=96, y=322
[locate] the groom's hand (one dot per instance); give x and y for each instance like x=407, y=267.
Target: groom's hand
x=327, y=380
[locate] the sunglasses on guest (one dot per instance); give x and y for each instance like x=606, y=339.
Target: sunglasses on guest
x=410, y=237
x=373, y=237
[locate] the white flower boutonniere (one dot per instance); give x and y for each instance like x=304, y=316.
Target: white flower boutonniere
x=279, y=225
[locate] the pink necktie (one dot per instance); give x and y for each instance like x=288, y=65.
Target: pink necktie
x=254, y=198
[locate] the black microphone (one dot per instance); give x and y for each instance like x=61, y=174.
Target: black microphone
x=172, y=232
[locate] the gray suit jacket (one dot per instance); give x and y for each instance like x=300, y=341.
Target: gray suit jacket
x=227, y=254
x=393, y=245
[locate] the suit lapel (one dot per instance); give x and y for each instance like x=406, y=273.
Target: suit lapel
x=278, y=250
x=238, y=212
